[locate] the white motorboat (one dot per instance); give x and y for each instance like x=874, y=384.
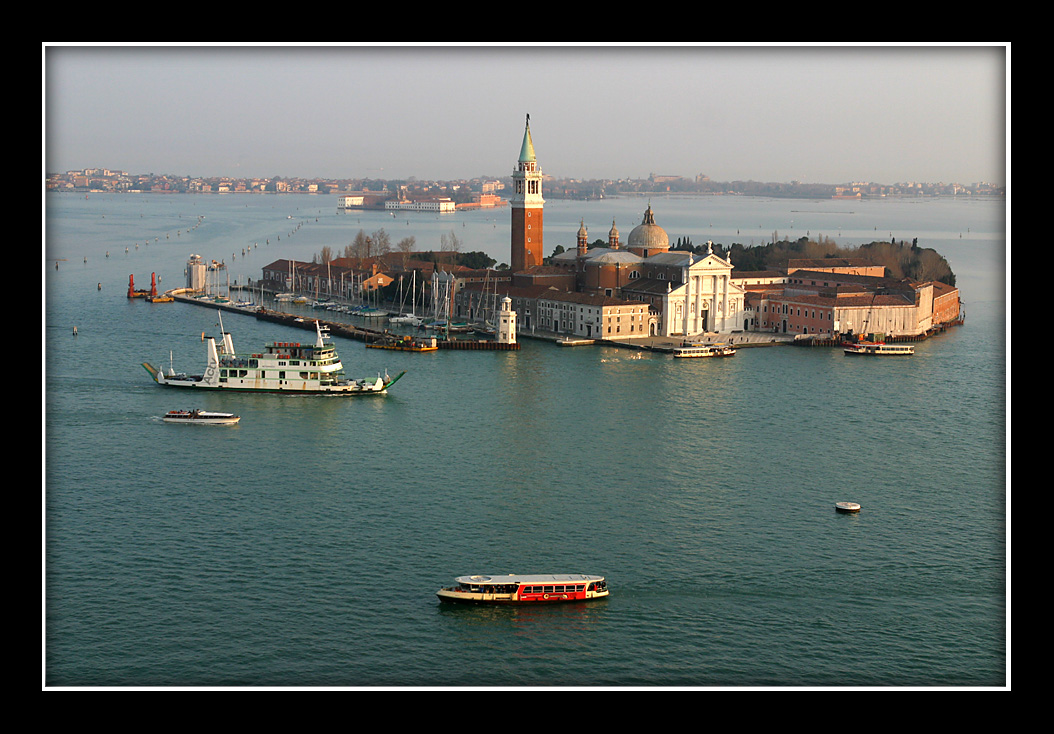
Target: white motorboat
x=201, y=417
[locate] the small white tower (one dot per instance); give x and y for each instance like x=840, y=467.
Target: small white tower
x=506, y=322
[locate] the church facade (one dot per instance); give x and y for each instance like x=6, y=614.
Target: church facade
x=687, y=294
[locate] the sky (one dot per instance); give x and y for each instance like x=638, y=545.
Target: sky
x=816, y=114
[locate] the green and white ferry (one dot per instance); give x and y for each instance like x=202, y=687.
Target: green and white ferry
x=283, y=367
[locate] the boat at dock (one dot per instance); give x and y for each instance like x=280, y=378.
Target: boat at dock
x=283, y=367
x=696, y=351
x=544, y=588
x=407, y=344
x=847, y=506
x=879, y=349
x=201, y=417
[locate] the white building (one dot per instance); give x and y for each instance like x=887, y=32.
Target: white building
x=506, y=322
x=689, y=294
x=426, y=205
x=592, y=316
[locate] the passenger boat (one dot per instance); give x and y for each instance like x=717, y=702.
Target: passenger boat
x=694, y=351
x=847, y=506
x=879, y=349
x=200, y=417
x=283, y=367
x=543, y=588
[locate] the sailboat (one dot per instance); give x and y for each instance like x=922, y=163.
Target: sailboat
x=409, y=318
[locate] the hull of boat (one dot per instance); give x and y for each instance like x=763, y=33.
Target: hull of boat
x=714, y=354
x=461, y=597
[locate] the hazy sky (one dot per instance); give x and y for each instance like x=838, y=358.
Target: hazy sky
x=813, y=114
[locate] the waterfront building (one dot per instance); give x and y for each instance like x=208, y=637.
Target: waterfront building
x=592, y=316
x=442, y=205
x=832, y=302
x=686, y=294
x=700, y=294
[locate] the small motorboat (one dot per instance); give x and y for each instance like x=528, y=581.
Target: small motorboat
x=203, y=417
x=847, y=506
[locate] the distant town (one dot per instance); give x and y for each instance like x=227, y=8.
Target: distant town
x=487, y=191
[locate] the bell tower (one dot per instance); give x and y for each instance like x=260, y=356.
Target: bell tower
x=527, y=205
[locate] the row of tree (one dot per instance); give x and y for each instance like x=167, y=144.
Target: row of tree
x=900, y=259
x=379, y=243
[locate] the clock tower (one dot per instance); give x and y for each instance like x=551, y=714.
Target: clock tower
x=527, y=204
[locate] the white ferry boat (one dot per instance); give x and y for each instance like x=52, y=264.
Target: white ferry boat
x=878, y=349
x=543, y=588
x=201, y=417
x=283, y=367
x=695, y=351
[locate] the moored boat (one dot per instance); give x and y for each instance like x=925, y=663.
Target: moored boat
x=201, y=417
x=695, y=351
x=879, y=349
x=408, y=344
x=543, y=588
x=283, y=367
x=847, y=506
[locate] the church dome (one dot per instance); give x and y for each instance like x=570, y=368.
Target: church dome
x=648, y=236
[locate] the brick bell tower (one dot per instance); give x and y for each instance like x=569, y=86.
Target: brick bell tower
x=527, y=205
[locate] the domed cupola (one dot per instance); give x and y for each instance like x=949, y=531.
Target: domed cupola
x=613, y=242
x=648, y=238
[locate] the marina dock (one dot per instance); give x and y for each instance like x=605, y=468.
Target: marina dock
x=337, y=328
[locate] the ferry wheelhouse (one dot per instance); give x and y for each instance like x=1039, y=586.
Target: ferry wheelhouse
x=695, y=351
x=544, y=588
x=283, y=367
x=879, y=349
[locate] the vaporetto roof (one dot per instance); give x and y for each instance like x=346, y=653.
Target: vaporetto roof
x=537, y=578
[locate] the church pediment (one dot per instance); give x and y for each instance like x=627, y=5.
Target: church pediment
x=711, y=262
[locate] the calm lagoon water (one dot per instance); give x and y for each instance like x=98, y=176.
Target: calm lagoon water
x=303, y=547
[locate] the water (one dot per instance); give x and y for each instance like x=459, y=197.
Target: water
x=303, y=547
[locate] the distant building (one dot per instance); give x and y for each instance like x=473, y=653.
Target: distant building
x=442, y=205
